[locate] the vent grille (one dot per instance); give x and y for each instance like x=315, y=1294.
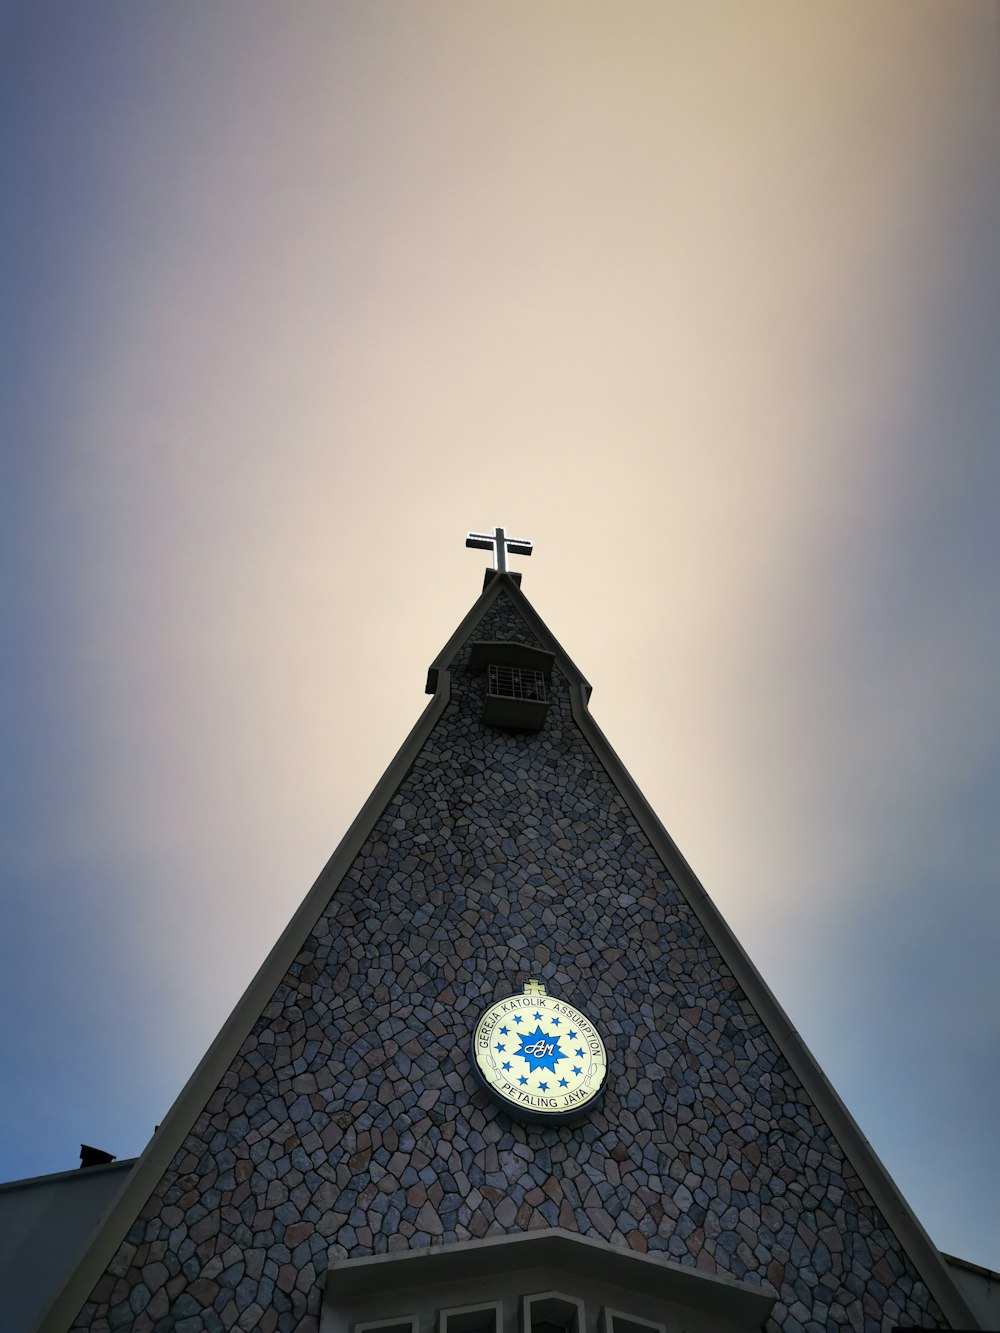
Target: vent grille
x=507, y=682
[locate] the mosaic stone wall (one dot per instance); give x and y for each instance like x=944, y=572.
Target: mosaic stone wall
x=350, y=1122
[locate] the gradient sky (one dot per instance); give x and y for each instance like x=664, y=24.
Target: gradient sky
x=704, y=299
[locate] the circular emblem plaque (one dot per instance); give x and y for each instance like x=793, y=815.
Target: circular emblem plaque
x=539, y=1057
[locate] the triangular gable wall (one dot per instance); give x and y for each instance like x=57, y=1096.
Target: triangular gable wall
x=336, y=1115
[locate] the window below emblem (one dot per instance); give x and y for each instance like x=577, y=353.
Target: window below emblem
x=485, y=1318
x=540, y=1312
x=613, y=1321
x=521, y=1283
x=551, y=1312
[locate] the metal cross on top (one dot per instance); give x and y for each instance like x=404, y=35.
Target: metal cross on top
x=499, y=543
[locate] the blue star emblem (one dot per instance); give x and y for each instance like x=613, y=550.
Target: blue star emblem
x=506, y=1064
x=579, y=1052
x=503, y=1032
x=538, y=1015
x=544, y=1087
x=572, y=1036
x=522, y=1079
x=517, y=1018
x=499, y=1045
x=562, y=1083
x=540, y=1050
x=577, y=1069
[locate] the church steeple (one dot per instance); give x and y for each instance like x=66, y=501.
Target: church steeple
x=338, y=1161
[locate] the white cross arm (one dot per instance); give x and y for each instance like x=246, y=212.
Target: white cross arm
x=499, y=543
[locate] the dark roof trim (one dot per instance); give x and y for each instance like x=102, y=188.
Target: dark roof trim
x=75, y=1174
x=448, y=653
x=924, y=1255
x=181, y=1117
x=969, y=1266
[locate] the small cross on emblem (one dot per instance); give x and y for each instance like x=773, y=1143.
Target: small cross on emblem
x=534, y=988
x=499, y=543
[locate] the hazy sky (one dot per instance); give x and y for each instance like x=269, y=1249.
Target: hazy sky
x=703, y=298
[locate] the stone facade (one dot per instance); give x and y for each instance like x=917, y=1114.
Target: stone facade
x=350, y=1122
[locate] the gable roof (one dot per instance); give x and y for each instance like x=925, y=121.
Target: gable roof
x=185, y=1111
